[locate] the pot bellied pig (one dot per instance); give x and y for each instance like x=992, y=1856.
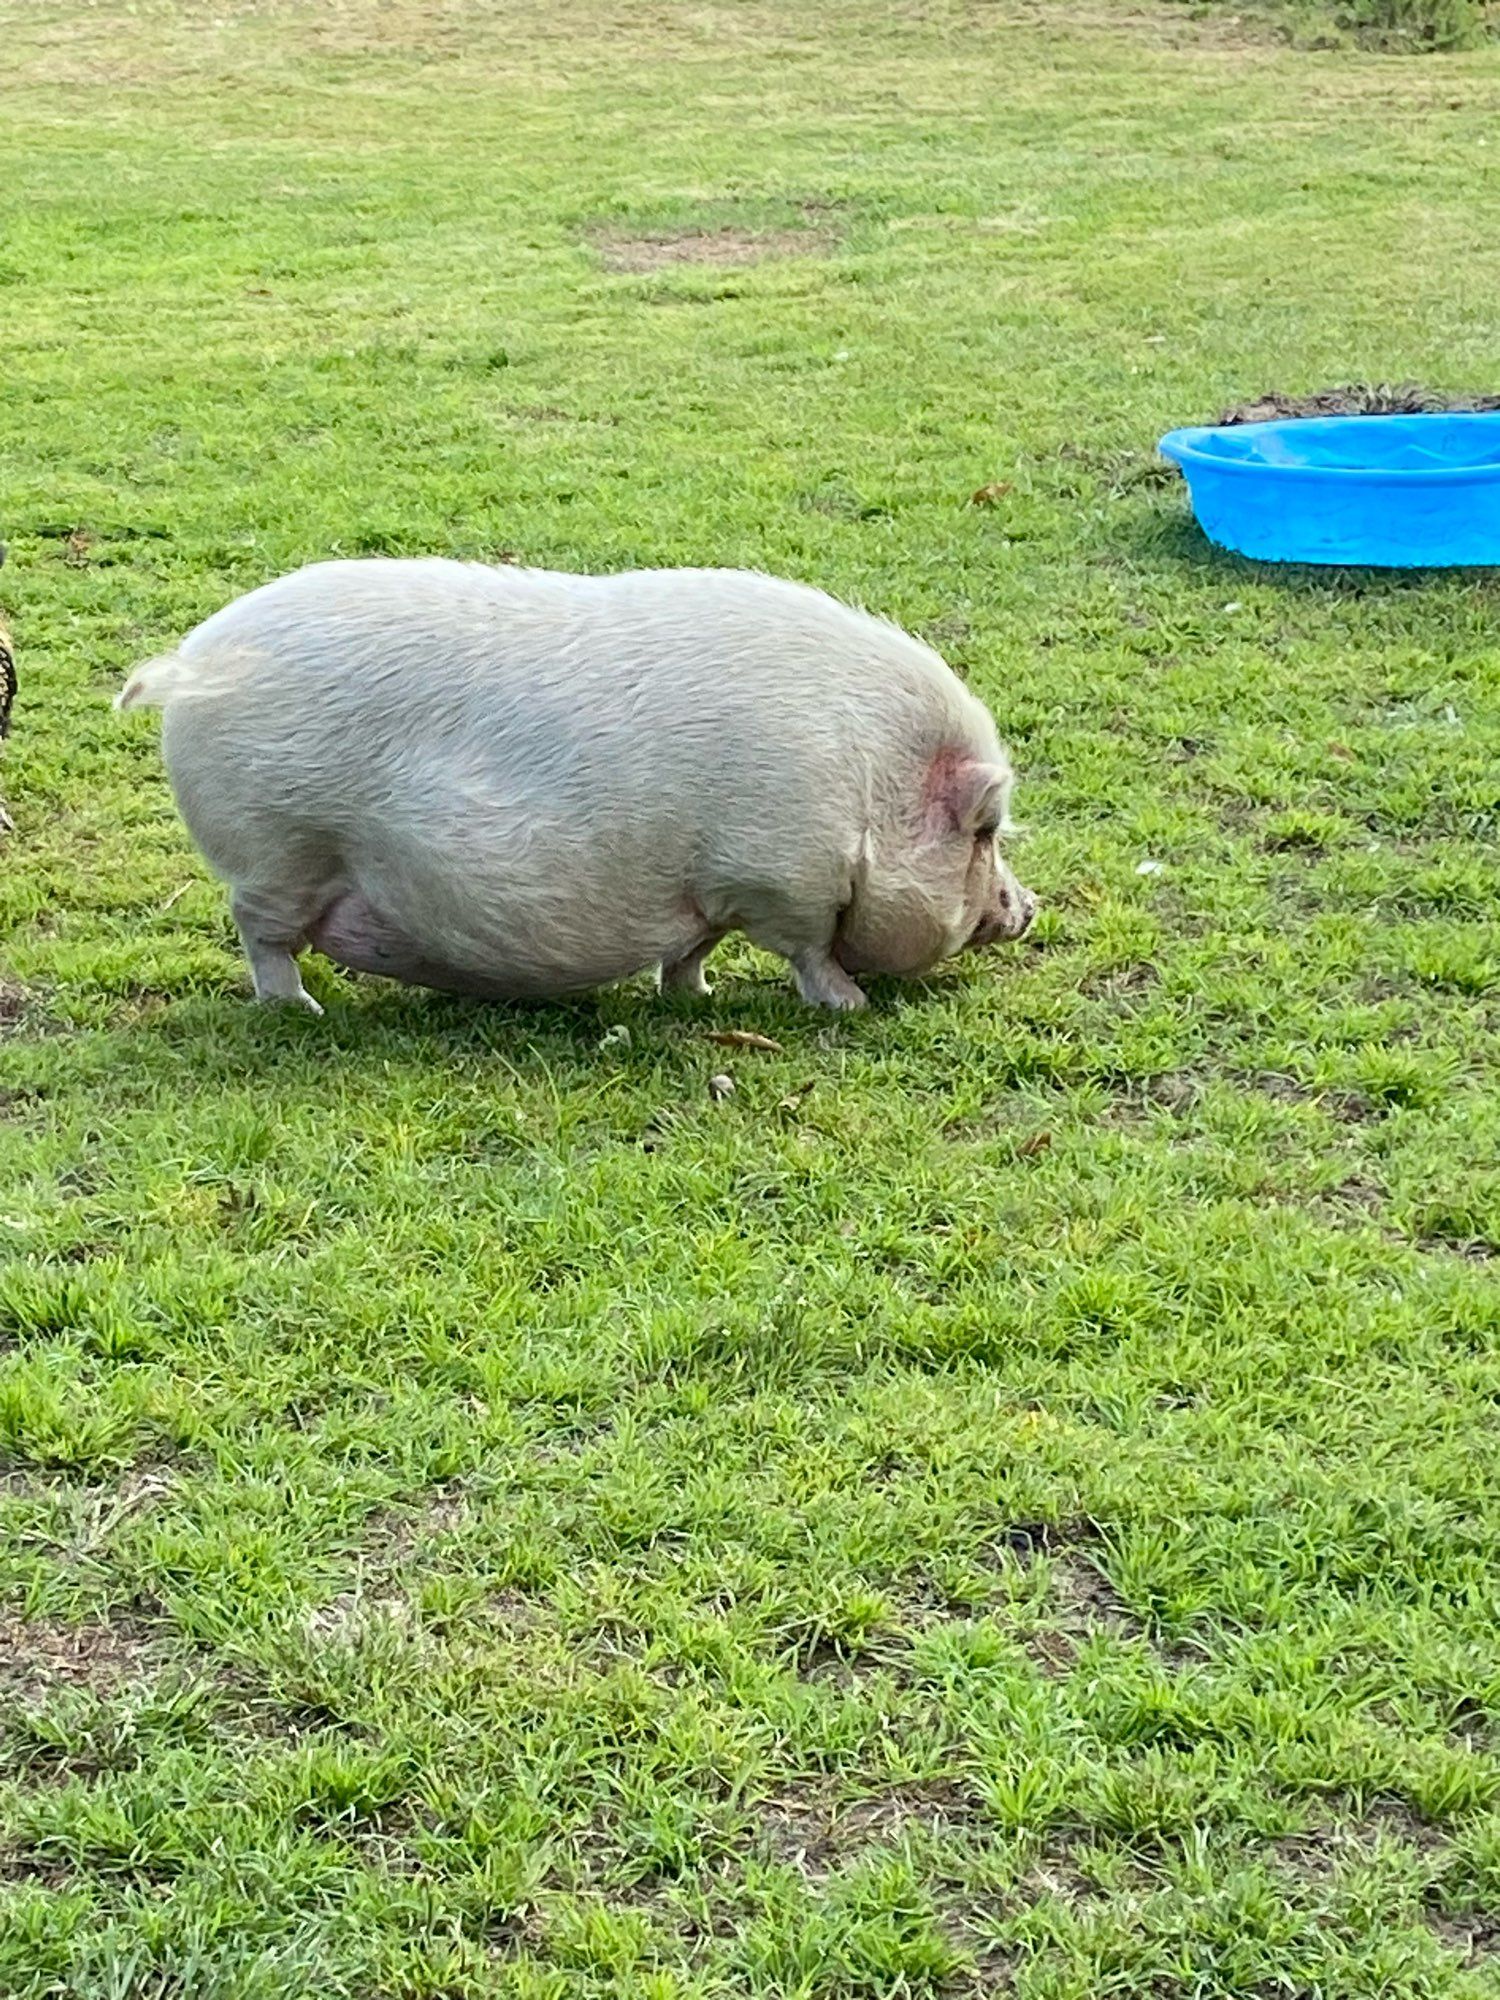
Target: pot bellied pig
x=519, y=783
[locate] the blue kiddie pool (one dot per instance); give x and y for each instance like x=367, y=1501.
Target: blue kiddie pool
x=1390, y=492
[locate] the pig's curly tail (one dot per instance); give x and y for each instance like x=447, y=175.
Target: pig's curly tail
x=153, y=682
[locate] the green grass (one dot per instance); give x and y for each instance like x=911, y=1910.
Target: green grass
x=1007, y=1500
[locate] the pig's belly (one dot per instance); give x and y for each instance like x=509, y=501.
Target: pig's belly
x=357, y=935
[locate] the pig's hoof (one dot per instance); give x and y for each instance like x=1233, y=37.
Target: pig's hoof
x=848, y=1002
x=824, y=984
x=302, y=999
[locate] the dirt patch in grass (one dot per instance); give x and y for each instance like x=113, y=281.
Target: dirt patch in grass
x=1031, y=1538
x=1083, y=1605
x=1325, y=1849
x=1354, y=399
x=40, y=1654
x=726, y=245
x=1237, y=31
x=1121, y=982
x=1056, y=1872
x=346, y=1619
x=1134, y=1099
x=551, y=413
x=1088, y=1602
x=1473, y=1934
x=1349, y=1107
x=399, y=1547
x=1356, y=1199
x=1393, y=1819
x=816, y=1655
x=807, y=1829
x=396, y=1534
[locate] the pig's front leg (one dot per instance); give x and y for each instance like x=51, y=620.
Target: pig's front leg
x=799, y=925
x=823, y=982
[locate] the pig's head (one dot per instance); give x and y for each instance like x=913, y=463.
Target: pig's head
x=934, y=881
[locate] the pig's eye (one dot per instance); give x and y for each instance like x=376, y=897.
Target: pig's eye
x=984, y=834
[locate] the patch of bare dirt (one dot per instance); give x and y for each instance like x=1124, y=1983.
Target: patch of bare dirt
x=1393, y=1819
x=381, y=1598
x=1088, y=1601
x=17, y=1865
x=817, y=1656
x=1084, y=1605
x=1358, y=1196
x=1473, y=1934
x=397, y=1534
x=949, y=635
x=727, y=245
x=1350, y=1107
x=40, y=1654
x=1322, y=1851
x=807, y=1829
x=1030, y=1538
x=1355, y=399
x=1315, y=1856
x=968, y=1923
x=1056, y=1872
x=513, y=1609
x=1134, y=1098
x=351, y=1616
x=1121, y=982
x=1473, y=1249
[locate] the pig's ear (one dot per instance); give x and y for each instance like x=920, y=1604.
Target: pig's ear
x=968, y=796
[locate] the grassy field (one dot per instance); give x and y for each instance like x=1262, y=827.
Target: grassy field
x=1008, y=1499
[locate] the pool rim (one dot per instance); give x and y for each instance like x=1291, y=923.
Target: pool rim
x=1181, y=447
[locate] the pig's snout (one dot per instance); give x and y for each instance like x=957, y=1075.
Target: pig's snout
x=1010, y=917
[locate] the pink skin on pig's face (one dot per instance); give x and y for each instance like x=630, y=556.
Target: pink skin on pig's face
x=940, y=886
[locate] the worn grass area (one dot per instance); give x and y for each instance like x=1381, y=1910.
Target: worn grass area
x=1008, y=1499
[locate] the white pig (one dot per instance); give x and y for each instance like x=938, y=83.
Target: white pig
x=521, y=783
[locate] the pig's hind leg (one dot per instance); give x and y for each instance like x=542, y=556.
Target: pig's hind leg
x=273, y=926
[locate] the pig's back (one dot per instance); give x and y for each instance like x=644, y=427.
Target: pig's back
x=702, y=687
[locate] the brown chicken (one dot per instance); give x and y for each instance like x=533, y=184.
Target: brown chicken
x=7, y=682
